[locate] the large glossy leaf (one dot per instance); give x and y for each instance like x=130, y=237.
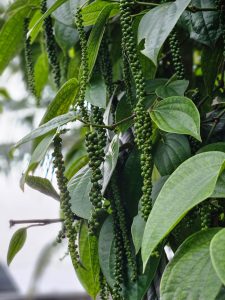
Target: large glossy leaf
x=41, y=73
x=88, y=273
x=61, y=103
x=11, y=36
x=210, y=62
x=205, y=25
x=217, y=250
x=16, y=244
x=96, y=92
x=42, y=185
x=79, y=187
x=76, y=165
x=190, y=274
x=47, y=127
x=177, y=115
x=170, y=152
x=91, y=12
x=96, y=35
x=191, y=183
x=137, y=231
x=37, y=26
x=110, y=161
x=220, y=146
x=174, y=88
x=105, y=250
x=156, y=26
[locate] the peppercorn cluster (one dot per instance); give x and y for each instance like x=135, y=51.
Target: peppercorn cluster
x=84, y=63
x=106, y=65
x=71, y=228
x=51, y=45
x=28, y=58
x=176, y=56
x=205, y=214
x=121, y=218
x=61, y=235
x=143, y=125
x=95, y=143
x=127, y=78
x=104, y=291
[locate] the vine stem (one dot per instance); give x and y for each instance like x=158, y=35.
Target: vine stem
x=110, y=127
x=39, y=222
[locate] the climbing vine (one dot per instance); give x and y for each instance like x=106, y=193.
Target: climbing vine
x=133, y=132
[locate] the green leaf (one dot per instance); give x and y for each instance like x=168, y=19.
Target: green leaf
x=205, y=25
x=219, y=191
x=177, y=115
x=47, y=127
x=88, y=273
x=190, y=274
x=210, y=62
x=105, y=250
x=79, y=187
x=65, y=36
x=37, y=26
x=75, y=166
x=170, y=152
x=137, y=231
x=40, y=152
x=96, y=35
x=174, y=88
x=41, y=73
x=16, y=244
x=91, y=12
x=220, y=146
x=110, y=161
x=156, y=26
x=123, y=110
x=42, y=185
x=217, y=250
x=11, y=36
x=63, y=100
x=96, y=92
x=191, y=183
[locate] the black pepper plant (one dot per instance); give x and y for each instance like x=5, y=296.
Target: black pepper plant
x=133, y=132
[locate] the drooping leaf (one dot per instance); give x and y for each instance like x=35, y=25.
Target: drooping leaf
x=16, y=244
x=88, y=273
x=96, y=35
x=217, y=250
x=60, y=105
x=11, y=36
x=105, y=249
x=110, y=161
x=219, y=191
x=174, y=88
x=177, y=115
x=137, y=231
x=91, y=12
x=47, y=127
x=41, y=73
x=75, y=166
x=37, y=26
x=79, y=187
x=42, y=185
x=220, y=146
x=96, y=92
x=190, y=274
x=170, y=152
x=156, y=26
x=191, y=183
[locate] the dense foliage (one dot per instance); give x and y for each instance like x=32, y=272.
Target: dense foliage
x=135, y=129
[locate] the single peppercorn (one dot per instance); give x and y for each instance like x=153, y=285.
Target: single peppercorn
x=142, y=120
x=70, y=229
x=51, y=45
x=28, y=58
